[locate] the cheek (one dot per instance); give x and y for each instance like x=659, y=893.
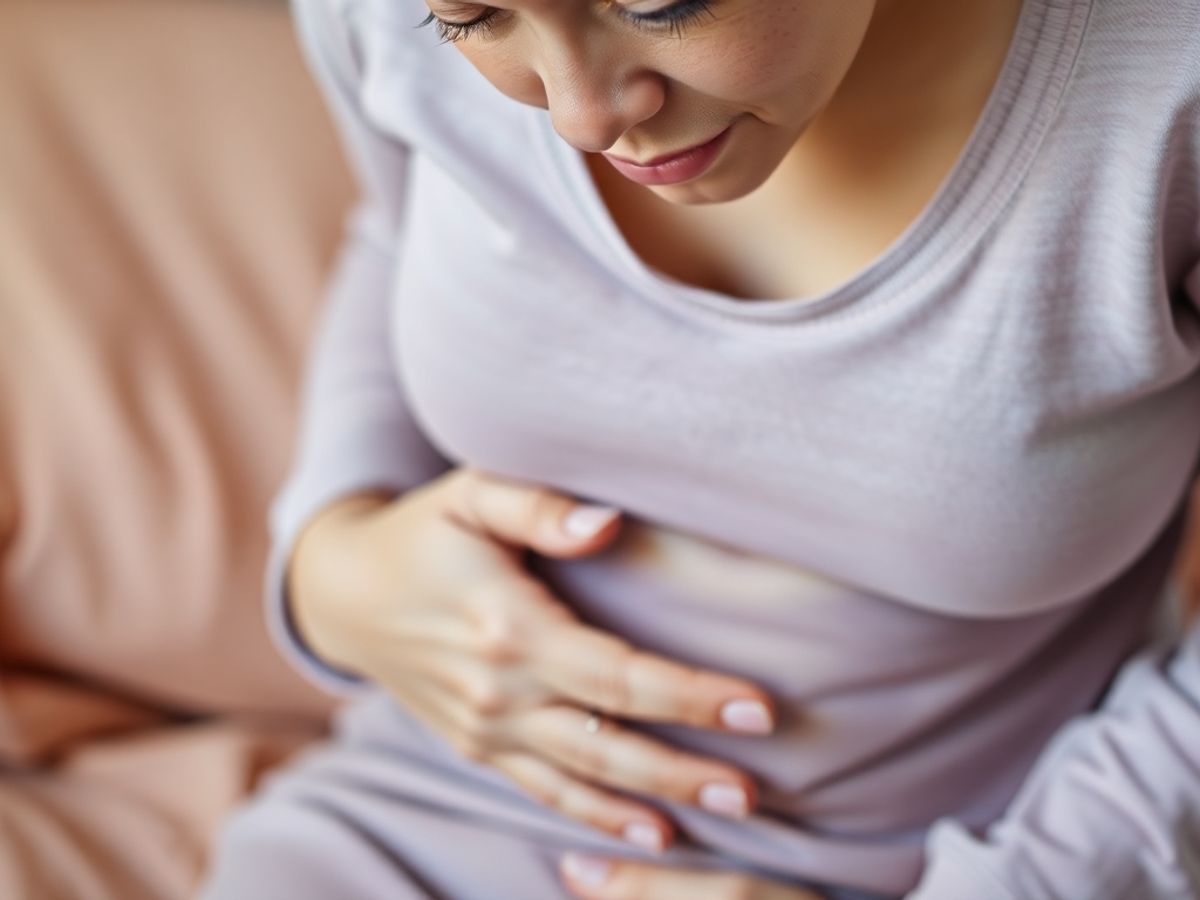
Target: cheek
x=783, y=54
x=775, y=58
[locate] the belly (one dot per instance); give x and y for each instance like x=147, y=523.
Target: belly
x=887, y=713
x=709, y=573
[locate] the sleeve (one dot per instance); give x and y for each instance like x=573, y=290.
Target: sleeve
x=356, y=432
x=1111, y=811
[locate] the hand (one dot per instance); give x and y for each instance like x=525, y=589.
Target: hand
x=1186, y=571
x=428, y=596
x=623, y=879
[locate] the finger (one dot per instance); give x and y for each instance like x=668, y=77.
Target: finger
x=430, y=708
x=479, y=725
x=619, y=757
x=526, y=514
x=622, y=817
x=626, y=819
x=467, y=689
x=596, y=878
x=600, y=670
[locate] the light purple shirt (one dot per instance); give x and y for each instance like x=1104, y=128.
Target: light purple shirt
x=961, y=472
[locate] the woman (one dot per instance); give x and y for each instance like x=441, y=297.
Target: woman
x=874, y=406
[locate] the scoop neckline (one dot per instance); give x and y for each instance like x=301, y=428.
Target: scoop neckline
x=995, y=158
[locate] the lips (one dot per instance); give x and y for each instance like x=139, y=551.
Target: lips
x=673, y=168
x=666, y=157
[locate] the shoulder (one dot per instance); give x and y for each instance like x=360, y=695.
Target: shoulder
x=405, y=85
x=364, y=27
x=378, y=60
x=1135, y=87
x=1159, y=41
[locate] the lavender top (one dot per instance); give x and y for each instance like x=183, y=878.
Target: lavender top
x=930, y=510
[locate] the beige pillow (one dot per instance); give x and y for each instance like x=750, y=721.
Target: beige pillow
x=171, y=196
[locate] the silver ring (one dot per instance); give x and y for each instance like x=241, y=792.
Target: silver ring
x=592, y=725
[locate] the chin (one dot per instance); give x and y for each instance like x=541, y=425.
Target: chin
x=724, y=186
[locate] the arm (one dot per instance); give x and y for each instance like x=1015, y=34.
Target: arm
x=1112, y=809
x=356, y=434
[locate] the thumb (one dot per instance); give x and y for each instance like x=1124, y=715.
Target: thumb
x=530, y=515
x=588, y=525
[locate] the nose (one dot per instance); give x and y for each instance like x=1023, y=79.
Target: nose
x=593, y=101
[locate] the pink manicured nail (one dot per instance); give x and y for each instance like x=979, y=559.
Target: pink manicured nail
x=585, y=869
x=644, y=835
x=584, y=521
x=726, y=799
x=746, y=715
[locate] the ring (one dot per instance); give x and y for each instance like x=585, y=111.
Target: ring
x=592, y=725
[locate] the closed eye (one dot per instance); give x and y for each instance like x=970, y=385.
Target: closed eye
x=675, y=19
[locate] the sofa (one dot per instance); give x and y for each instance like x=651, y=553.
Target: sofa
x=171, y=195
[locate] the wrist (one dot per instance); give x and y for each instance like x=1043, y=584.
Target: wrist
x=321, y=558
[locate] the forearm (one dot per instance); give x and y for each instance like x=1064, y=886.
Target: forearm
x=357, y=435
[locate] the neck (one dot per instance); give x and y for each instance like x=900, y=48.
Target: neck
x=922, y=63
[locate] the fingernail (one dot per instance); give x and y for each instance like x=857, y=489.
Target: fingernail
x=644, y=835
x=585, y=869
x=585, y=521
x=726, y=799
x=747, y=715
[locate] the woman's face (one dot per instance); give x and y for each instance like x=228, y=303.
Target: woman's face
x=620, y=76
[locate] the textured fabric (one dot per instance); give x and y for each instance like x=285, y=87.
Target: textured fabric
x=152, y=328
x=931, y=510
x=372, y=816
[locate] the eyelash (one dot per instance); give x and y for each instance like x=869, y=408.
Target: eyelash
x=677, y=19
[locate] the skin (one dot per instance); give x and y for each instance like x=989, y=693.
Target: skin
x=800, y=80
x=834, y=104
